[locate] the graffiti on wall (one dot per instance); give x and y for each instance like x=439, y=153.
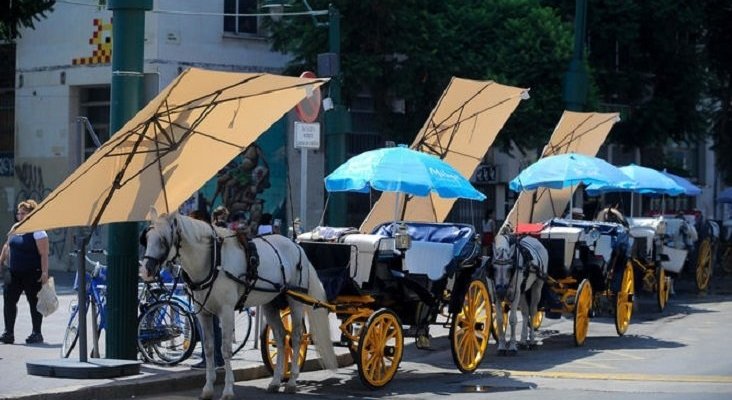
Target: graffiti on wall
x=30, y=178
x=101, y=42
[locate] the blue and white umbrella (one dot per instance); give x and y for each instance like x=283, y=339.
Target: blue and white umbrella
x=401, y=170
x=690, y=189
x=570, y=169
x=567, y=170
x=643, y=180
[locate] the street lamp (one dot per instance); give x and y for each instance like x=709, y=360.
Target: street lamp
x=337, y=118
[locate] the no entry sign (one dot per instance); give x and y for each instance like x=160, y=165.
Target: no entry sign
x=307, y=110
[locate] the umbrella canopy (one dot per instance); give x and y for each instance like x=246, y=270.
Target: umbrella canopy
x=460, y=130
x=643, y=180
x=401, y=170
x=725, y=196
x=690, y=189
x=563, y=170
x=178, y=141
x=575, y=133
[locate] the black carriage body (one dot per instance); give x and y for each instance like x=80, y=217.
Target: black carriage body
x=586, y=263
x=415, y=294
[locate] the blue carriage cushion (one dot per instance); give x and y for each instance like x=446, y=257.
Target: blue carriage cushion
x=461, y=236
x=331, y=261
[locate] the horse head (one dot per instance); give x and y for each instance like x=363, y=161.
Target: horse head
x=611, y=214
x=160, y=238
x=504, y=250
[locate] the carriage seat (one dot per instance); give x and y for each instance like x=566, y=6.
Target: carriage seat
x=461, y=236
x=326, y=234
x=369, y=248
x=560, y=242
x=429, y=258
x=602, y=237
x=331, y=261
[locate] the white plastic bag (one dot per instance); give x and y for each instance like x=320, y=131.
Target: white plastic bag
x=47, y=299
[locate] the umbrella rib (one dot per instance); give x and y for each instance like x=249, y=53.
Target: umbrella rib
x=185, y=106
x=160, y=174
x=554, y=148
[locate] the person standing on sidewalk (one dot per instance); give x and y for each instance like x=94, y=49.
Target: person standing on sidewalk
x=26, y=257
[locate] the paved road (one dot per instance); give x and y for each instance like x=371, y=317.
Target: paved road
x=682, y=353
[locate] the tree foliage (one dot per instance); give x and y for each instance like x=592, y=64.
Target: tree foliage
x=17, y=14
x=409, y=49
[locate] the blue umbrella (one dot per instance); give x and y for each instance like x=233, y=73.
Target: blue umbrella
x=402, y=170
x=570, y=169
x=643, y=180
x=725, y=196
x=690, y=189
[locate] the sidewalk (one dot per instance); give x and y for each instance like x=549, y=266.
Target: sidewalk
x=18, y=384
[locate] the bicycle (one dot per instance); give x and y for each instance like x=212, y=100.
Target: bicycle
x=96, y=301
x=166, y=327
x=164, y=335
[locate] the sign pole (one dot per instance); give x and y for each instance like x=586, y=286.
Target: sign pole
x=303, y=187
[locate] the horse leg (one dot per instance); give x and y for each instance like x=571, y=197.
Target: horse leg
x=499, y=327
x=272, y=316
x=296, y=313
x=226, y=319
x=525, y=321
x=205, y=320
x=533, y=309
x=513, y=319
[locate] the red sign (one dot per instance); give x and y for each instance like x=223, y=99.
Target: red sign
x=307, y=110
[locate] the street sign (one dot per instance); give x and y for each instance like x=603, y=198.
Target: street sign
x=307, y=135
x=307, y=110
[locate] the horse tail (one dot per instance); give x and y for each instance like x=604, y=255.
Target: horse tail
x=319, y=323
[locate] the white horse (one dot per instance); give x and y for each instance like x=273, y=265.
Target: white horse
x=518, y=270
x=234, y=280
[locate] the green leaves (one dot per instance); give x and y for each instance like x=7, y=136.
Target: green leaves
x=17, y=14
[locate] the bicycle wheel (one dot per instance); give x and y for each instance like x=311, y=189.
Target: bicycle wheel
x=71, y=336
x=242, y=329
x=166, y=333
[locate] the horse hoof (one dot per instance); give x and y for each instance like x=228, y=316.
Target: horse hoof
x=227, y=396
x=512, y=353
x=502, y=353
x=273, y=388
x=290, y=389
x=523, y=346
x=206, y=396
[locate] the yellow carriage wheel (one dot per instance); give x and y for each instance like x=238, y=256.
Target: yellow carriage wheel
x=704, y=265
x=537, y=319
x=268, y=345
x=582, y=307
x=470, y=328
x=624, y=300
x=504, y=307
x=380, y=349
x=662, y=288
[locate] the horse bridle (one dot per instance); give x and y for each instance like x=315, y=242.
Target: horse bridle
x=175, y=238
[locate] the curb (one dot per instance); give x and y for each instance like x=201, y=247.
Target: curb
x=160, y=384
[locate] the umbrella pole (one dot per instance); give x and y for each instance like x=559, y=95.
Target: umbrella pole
x=396, y=212
x=81, y=299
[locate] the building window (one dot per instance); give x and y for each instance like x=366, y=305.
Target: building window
x=94, y=105
x=237, y=23
x=7, y=98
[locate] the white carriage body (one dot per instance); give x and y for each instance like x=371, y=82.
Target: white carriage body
x=569, y=235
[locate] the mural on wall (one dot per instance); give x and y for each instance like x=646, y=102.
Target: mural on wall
x=101, y=42
x=30, y=179
x=252, y=184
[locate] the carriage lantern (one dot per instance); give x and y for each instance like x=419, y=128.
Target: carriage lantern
x=402, y=240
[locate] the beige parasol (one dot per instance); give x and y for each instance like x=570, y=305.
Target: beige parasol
x=178, y=141
x=581, y=133
x=460, y=130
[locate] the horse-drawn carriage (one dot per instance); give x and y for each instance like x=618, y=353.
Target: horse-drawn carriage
x=403, y=274
x=587, y=271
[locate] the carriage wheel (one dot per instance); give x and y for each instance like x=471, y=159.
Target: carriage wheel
x=582, y=307
x=470, y=328
x=624, y=300
x=268, y=345
x=504, y=306
x=704, y=265
x=380, y=349
x=537, y=319
x=663, y=288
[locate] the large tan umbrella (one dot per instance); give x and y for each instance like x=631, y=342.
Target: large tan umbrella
x=193, y=128
x=460, y=130
x=581, y=133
